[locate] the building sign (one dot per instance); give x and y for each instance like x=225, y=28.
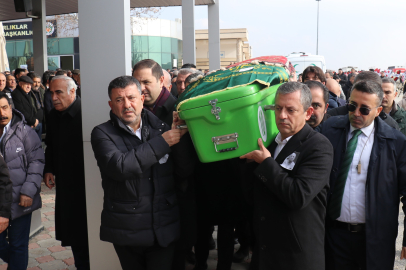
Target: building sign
x=18, y=30
x=23, y=30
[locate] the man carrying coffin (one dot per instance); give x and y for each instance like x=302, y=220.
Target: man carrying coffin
x=290, y=199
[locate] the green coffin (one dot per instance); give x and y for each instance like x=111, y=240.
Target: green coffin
x=227, y=124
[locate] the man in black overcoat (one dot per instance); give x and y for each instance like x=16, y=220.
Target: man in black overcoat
x=290, y=199
x=65, y=168
x=363, y=204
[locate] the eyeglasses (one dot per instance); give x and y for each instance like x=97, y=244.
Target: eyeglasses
x=363, y=110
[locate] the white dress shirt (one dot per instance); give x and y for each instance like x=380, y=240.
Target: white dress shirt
x=138, y=131
x=280, y=143
x=353, y=205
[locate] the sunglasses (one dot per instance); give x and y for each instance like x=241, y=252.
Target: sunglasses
x=362, y=110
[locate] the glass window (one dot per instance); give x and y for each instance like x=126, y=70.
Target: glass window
x=174, y=45
x=166, y=45
x=10, y=48
x=53, y=62
x=20, y=46
x=156, y=57
x=136, y=57
x=52, y=46
x=154, y=44
x=139, y=44
x=166, y=61
x=66, y=46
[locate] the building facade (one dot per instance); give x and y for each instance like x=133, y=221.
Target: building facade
x=234, y=47
x=156, y=39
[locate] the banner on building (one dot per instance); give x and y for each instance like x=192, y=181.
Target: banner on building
x=23, y=30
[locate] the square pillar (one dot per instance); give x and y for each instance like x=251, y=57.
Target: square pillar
x=214, y=35
x=188, y=32
x=105, y=53
x=39, y=37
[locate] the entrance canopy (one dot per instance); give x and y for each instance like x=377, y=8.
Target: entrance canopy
x=57, y=7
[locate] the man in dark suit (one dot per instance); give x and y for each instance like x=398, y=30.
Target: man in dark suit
x=367, y=180
x=64, y=160
x=158, y=99
x=290, y=199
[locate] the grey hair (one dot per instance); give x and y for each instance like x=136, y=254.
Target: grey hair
x=169, y=79
x=69, y=81
x=194, y=77
x=186, y=71
x=389, y=80
x=291, y=87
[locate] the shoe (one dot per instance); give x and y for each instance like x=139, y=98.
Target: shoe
x=212, y=244
x=200, y=267
x=191, y=257
x=240, y=255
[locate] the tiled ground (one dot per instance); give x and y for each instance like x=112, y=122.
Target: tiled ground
x=46, y=253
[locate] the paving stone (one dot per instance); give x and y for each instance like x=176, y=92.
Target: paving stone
x=52, y=234
x=44, y=219
x=43, y=236
x=50, y=213
x=54, y=265
x=62, y=255
x=56, y=249
x=49, y=223
x=34, y=268
x=69, y=261
x=45, y=259
x=51, y=218
x=33, y=245
x=48, y=201
x=49, y=243
x=38, y=252
x=51, y=229
x=32, y=262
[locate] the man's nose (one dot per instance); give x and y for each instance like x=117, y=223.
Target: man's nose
x=357, y=112
x=127, y=103
x=283, y=114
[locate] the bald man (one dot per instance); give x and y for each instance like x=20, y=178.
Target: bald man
x=334, y=89
x=167, y=80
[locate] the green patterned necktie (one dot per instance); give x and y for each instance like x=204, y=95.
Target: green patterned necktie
x=334, y=206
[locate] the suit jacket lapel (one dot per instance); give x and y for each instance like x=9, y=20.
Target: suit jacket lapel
x=294, y=143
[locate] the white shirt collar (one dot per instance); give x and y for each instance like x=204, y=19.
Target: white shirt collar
x=365, y=130
x=138, y=131
x=278, y=139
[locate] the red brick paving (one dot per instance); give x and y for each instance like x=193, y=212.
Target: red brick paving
x=44, y=219
x=49, y=213
x=51, y=229
x=34, y=268
x=56, y=249
x=44, y=259
x=48, y=201
x=69, y=261
x=32, y=246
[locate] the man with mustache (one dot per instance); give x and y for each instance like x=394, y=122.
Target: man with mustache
x=65, y=168
x=389, y=105
x=290, y=200
x=24, y=156
x=320, y=97
x=367, y=182
x=157, y=98
x=135, y=152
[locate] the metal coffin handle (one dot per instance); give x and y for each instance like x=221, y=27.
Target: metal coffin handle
x=229, y=138
x=269, y=107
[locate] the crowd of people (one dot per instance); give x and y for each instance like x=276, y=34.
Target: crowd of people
x=324, y=194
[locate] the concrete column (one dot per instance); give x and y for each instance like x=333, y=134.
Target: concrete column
x=214, y=35
x=239, y=50
x=105, y=53
x=39, y=37
x=188, y=32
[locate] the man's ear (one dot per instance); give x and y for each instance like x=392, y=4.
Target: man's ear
x=110, y=104
x=161, y=81
x=325, y=110
x=309, y=112
x=378, y=111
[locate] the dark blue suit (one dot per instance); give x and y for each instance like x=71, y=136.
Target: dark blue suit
x=385, y=186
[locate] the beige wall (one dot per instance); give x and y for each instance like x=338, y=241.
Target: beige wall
x=228, y=47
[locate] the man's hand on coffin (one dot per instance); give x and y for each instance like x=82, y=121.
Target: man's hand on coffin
x=179, y=122
x=172, y=136
x=258, y=155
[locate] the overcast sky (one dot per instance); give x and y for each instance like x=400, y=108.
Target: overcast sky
x=363, y=33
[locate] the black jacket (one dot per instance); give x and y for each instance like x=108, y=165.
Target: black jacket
x=385, y=185
x=48, y=105
x=385, y=117
x=22, y=102
x=6, y=189
x=165, y=112
x=347, y=89
x=64, y=158
x=140, y=205
x=290, y=205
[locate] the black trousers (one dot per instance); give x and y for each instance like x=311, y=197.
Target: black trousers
x=150, y=258
x=345, y=250
x=225, y=244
